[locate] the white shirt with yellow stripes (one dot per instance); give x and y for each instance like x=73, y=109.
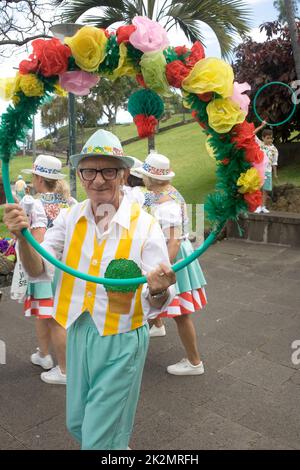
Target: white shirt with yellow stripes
x=77, y=241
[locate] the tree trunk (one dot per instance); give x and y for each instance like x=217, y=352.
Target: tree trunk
x=290, y=15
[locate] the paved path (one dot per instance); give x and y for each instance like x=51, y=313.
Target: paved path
x=249, y=397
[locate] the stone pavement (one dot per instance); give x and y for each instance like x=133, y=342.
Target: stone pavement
x=249, y=396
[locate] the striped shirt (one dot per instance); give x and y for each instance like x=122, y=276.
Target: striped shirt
x=77, y=241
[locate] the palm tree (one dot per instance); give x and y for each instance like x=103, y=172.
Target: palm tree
x=290, y=16
x=227, y=18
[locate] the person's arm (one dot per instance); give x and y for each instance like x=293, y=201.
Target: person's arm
x=173, y=242
x=263, y=124
x=275, y=163
x=15, y=219
x=159, y=280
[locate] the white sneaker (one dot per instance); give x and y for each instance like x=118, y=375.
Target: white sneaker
x=258, y=210
x=155, y=331
x=54, y=376
x=265, y=210
x=45, y=362
x=184, y=367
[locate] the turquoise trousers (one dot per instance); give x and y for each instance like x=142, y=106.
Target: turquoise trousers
x=104, y=375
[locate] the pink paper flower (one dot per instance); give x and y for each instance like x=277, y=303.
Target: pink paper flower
x=149, y=35
x=238, y=97
x=78, y=82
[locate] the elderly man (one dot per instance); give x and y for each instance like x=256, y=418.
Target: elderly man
x=106, y=350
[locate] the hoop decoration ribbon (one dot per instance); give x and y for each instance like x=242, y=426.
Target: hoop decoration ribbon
x=294, y=101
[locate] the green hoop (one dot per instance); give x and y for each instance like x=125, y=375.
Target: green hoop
x=86, y=277
x=291, y=113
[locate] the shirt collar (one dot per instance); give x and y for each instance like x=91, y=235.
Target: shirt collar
x=121, y=217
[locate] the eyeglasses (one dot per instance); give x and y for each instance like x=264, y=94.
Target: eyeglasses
x=90, y=174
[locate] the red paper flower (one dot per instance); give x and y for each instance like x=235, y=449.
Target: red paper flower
x=50, y=57
x=254, y=200
x=146, y=125
x=205, y=96
x=176, y=72
x=123, y=33
x=181, y=50
x=197, y=53
x=243, y=136
x=140, y=79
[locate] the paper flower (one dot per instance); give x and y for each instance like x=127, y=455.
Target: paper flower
x=8, y=86
x=149, y=35
x=176, y=72
x=146, y=107
x=31, y=85
x=223, y=114
x=153, y=66
x=197, y=53
x=123, y=33
x=210, y=75
x=125, y=66
x=249, y=182
x=243, y=136
x=254, y=200
x=49, y=57
x=78, y=82
x=88, y=47
x=238, y=95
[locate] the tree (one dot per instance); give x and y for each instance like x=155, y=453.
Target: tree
x=294, y=34
x=261, y=63
x=227, y=18
x=21, y=21
x=54, y=113
x=114, y=95
x=281, y=8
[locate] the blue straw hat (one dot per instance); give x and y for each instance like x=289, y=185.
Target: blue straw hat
x=102, y=144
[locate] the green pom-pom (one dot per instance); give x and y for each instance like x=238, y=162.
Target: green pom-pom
x=122, y=269
x=170, y=54
x=112, y=56
x=134, y=55
x=146, y=102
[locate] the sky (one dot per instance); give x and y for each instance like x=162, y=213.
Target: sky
x=262, y=11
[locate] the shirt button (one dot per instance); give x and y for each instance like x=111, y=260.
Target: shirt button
x=94, y=262
x=90, y=294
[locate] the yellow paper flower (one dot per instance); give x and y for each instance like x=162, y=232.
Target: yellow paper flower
x=124, y=66
x=8, y=86
x=210, y=75
x=60, y=91
x=223, y=114
x=31, y=85
x=88, y=47
x=249, y=181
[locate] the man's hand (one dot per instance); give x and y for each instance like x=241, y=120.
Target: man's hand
x=160, y=279
x=15, y=219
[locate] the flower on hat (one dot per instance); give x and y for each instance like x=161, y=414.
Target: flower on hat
x=149, y=35
x=210, y=75
x=49, y=57
x=223, y=114
x=88, y=47
x=78, y=82
x=249, y=181
x=31, y=85
x=124, y=32
x=254, y=200
x=153, y=66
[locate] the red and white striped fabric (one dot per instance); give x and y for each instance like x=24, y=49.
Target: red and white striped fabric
x=40, y=308
x=186, y=303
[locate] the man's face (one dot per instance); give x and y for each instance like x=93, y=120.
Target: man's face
x=99, y=190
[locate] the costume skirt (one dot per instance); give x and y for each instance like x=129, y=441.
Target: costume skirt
x=39, y=300
x=190, y=291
